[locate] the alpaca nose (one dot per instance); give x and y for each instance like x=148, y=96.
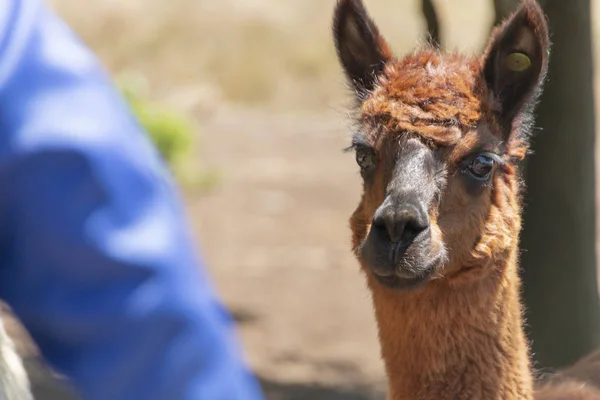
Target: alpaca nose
x=401, y=224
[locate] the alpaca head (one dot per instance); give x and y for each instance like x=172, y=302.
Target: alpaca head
x=437, y=140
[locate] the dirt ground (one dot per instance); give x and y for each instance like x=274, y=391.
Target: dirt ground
x=261, y=80
x=277, y=232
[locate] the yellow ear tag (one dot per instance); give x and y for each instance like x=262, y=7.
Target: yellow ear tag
x=517, y=62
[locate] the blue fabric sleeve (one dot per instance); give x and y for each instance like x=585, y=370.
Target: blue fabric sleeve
x=95, y=256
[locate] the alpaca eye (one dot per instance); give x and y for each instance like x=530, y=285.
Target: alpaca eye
x=365, y=158
x=481, y=167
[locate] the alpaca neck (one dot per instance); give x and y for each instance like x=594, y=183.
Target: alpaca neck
x=448, y=342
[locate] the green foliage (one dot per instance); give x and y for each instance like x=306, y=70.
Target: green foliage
x=172, y=132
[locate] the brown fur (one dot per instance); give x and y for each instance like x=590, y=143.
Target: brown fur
x=459, y=336
x=580, y=381
x=570, y=390
x=586, y=369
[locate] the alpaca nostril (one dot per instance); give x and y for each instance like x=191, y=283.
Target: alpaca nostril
x=402, y=225
x=380, y=225
x=413, y=226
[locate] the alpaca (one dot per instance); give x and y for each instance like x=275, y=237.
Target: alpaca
x=438, y=138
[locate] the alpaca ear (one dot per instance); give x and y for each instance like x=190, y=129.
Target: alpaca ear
x=516, y=61
x=362, y=51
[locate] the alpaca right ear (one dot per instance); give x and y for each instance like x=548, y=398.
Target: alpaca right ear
x=362, y=51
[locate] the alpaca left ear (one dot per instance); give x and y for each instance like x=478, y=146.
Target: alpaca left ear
x=516, y=61
x=361, y=49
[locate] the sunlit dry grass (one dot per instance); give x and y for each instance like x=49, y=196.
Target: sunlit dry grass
x=260, y=53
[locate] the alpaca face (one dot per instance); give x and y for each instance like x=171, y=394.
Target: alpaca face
x=429, y=207
x=404, y=180
x=437, y=140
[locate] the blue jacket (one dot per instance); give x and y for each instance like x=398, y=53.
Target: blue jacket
x=95, y=255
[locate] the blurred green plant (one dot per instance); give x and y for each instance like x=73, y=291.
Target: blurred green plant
x=172, y=132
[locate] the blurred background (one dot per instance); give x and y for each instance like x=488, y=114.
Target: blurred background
x=246, y=101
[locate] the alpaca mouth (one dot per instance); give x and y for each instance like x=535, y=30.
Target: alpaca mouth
x=400, y=265
x=395, y=282
x=402, y=279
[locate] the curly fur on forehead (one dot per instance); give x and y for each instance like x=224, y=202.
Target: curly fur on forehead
x=439, y=96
